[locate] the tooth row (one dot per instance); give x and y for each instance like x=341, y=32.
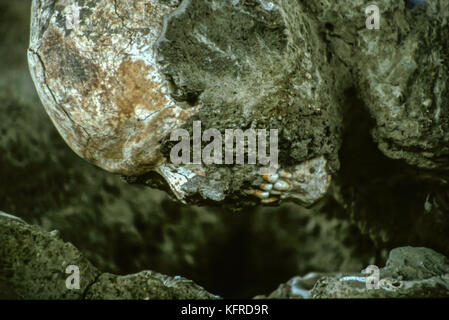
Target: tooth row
x=274, y=186
x=275, y=182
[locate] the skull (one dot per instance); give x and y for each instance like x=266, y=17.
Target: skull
x=119, y=77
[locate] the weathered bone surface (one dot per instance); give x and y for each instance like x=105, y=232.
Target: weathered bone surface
x=100, y=84
x=416, y=272
x=116, y=86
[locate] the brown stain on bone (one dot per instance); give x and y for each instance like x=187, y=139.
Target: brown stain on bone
x=113, y=125
x=133, y=89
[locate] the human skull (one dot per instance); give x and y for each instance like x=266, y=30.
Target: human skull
x=117, y=77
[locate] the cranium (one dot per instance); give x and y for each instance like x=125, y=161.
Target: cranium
x=120, y=76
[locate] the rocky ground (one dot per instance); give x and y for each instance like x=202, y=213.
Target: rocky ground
x=115, y=231
x=35, y=265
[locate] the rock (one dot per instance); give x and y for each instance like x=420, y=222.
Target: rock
x=296, y=288
x=34, y=262
x=146, y=285
x=10, y=216
x=394, y=158
x=400, y=72
x=409, y=263
x=409, y=273
x=403, y=81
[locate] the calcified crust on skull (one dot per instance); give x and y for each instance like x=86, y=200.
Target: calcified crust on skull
x=118, y=83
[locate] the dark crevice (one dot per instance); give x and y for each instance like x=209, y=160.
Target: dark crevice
x=384, y=196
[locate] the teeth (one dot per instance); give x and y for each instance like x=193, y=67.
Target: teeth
x=281, y=185
x=273, y=178
x=266, y=186
x=261, y=194
x=285, y=174
x=270, y=200
x=264, y=195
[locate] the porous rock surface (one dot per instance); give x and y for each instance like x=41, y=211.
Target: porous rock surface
x=409, y=273
x=33, y=265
